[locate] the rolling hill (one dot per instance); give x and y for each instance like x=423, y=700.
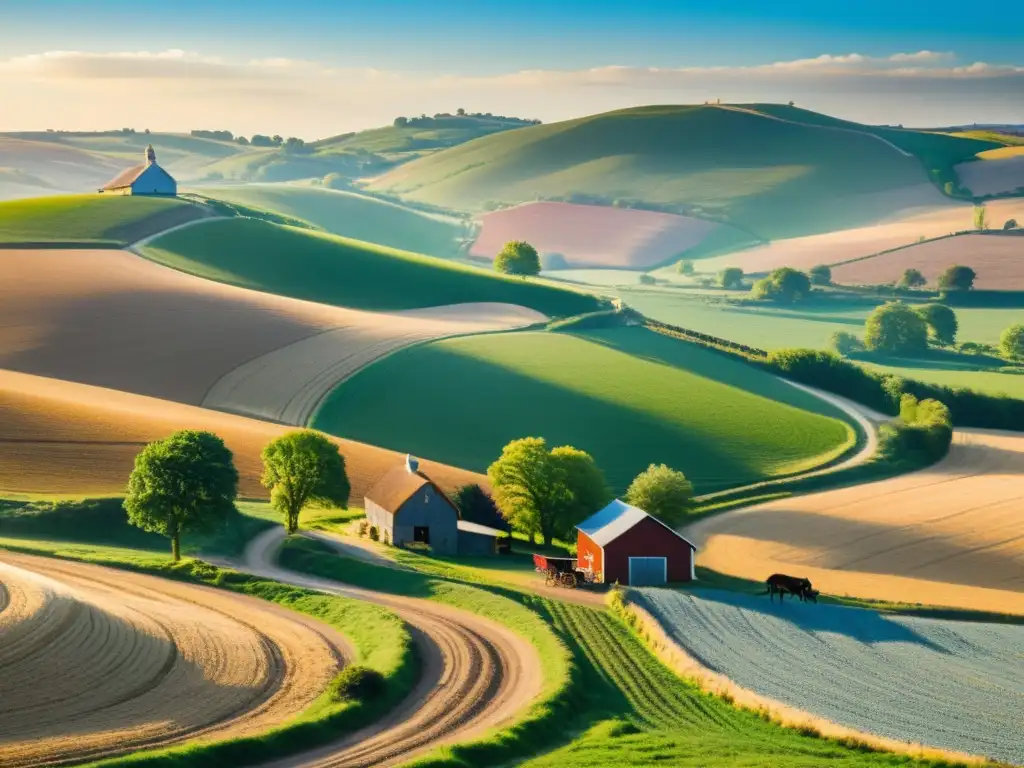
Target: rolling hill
x=344, y=272
x=359, y=217
x=775, y=176
x=628, y=396
x=98, y=219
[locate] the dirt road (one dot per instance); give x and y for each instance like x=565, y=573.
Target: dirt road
x=477, y=675
x=99, y=662
x=950, y=535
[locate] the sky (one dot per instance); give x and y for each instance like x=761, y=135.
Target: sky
x=315, y=69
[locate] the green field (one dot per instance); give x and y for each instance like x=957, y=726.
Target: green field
x=352, y=215
x=350, y=273
x=89, y=218
x=811, y=325
x=772, y=177
x=410, y=140
x=628, y=396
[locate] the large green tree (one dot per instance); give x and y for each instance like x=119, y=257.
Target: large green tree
x=662, y=492
x=546, y=491
x=957, y=278
x=895, y=328
x=784, y=285
x=184, y=483
x=301, y=469
x=731, y=277
x=1011, y=342
x=942, y=322
x=820, y=274
x=911, y=278
x=518, y=258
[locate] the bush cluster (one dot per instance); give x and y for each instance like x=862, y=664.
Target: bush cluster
x=357, y=683
x=705, y=339
x=921, y=436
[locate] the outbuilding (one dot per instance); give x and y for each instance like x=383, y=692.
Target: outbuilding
x=625, y=544
x=147, y=178
x=407, y=507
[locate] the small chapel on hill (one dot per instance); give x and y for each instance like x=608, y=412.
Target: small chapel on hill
x=145, y=179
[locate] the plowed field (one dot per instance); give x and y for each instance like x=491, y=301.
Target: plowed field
x=946, y=684
x=997, y=259
x=951, y=535
x=113, y=319
x=57, y=437
x=99, y=662
x=591, y=235
x=1000, y=170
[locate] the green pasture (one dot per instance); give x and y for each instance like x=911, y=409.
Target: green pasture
x=104, y=219
x=773, y=178
x=352, y=215
x=628, y=396
x=351, y=273
x=410, y=140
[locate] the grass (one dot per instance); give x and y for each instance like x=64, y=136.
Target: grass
x=352, y=215
x=812, y=324
x=381, y=641
x=104, y=220
x=767, y=176
x=628, y=396
x=351, y=273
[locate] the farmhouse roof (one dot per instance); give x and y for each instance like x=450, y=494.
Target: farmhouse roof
x=125, y=178
x=614, y=520
x=399, y=485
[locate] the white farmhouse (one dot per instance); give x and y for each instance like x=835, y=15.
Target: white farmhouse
x=146, y=179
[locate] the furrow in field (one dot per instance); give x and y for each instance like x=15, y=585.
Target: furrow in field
x=100, y=662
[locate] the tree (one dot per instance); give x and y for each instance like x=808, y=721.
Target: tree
x=301, y=469
x=957, y=278
x=542, y=491
x=460, y=112
x=1011, y=342
x=518, y=258
x=685, y=267
x=820, y=275
x=942, y=322
x=895, y=328
x=401, y=122
x=784, y=285
x=731, y=277
x=186, y=482
x=663, y=492
x=1010, y=224
x=980, y=217
x=845, y=343
x=911, y=278
x=277, y=140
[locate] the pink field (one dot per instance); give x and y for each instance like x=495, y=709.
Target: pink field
x=998, y=260
x=591, y=235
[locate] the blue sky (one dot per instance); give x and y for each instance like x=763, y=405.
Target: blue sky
x=468, y=41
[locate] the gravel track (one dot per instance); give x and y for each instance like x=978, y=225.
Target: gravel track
x=476, y=675
x=946, y=684
x=99, y=662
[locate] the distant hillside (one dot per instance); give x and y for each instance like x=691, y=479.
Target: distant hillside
x=773, y=170
x=343, y=272
x=352, y=215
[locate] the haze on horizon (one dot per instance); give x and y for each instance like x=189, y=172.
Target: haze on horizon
x=315, y=69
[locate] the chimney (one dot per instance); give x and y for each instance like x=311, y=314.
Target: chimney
x=412, y=464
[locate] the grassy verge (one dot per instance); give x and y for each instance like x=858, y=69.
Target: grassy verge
x=543, y=724
x=381, y=641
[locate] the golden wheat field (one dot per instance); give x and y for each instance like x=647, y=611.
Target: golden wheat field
x=951, y=535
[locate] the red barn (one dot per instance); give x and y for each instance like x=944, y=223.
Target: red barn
x=625, y=544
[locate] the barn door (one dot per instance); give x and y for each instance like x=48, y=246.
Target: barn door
x=648, y=571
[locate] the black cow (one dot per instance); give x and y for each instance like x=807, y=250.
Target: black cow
x=782, y=584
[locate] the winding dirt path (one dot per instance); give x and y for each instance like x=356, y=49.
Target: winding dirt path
x=100, y=662
x=476, y=675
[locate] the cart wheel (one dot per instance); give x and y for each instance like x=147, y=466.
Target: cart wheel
x=569, y=580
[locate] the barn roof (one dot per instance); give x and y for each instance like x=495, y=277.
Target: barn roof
x=399, y=485
x=614, y=520
x=125, y=178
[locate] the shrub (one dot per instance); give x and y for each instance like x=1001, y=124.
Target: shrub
x=941, y=321
x=784, y=285
x=646, y=279
x=845, y=343
x=374, y=533
x=1011, y=342
x=357, y=683
x=957, y=278
x=364, y=527
x=911, y=278
x=922, y=435
x=820, y=275
x=554, y=261
x=895, y=327
x=980, y=217
x=685, y=267
x=1010, y=224
x=731, y=277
